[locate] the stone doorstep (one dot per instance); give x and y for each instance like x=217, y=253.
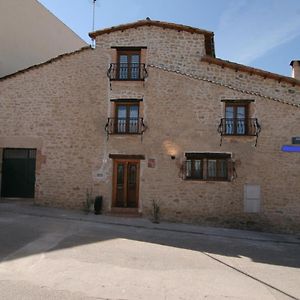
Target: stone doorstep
x=128, y=212
x=17, y=200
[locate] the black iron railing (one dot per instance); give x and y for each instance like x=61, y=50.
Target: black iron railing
x=125, y=71
x=239, y=126
x=125, y=126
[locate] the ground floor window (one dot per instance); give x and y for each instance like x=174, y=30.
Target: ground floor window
x=208, y=166
x=194, y=168
x=217, y=169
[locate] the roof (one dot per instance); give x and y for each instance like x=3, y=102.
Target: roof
x=249, y=70
x=209, y=35
x=207, y=58
x=59, y=57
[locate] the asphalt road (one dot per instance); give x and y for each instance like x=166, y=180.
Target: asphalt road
x=63, y=257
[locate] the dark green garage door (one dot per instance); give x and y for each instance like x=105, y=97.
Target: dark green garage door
x=18, y=173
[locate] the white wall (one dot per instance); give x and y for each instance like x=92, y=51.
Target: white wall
x=30, y=34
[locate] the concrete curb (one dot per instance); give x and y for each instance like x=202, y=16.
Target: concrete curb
x=29, y=209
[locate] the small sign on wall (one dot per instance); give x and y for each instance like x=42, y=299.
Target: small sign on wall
x=290, y=148
x=296, y=140
x=151, y=163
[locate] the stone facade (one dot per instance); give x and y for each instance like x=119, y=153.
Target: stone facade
x=61, y=108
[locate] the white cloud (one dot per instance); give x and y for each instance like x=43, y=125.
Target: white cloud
x=233, y=9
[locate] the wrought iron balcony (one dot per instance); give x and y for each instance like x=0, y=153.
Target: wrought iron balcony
x=125, y=126
x=126, y=71
x=239, y=127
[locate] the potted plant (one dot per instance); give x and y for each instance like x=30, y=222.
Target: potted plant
x=98, y=205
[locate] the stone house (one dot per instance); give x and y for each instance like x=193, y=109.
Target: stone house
x=150, y=115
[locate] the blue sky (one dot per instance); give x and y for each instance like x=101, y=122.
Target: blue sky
x=259, y=33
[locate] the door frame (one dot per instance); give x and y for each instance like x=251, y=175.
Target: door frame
x=114, y=180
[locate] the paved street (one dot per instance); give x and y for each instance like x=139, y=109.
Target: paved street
x=56, y=254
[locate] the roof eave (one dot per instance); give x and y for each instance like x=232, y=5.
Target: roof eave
x=150, y=23
x=59, y=57
x=209, y=35
x=250, y=70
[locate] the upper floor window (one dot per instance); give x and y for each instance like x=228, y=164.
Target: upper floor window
x=236, y=116
x=128, y=65
x=238, y=120
x=126, y=119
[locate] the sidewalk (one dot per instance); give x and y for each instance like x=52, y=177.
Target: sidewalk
x=29, y=208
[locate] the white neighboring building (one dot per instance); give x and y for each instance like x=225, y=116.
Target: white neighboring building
x=31, y=34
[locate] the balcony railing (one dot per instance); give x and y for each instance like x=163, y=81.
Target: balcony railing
x=125, y=71
x=125, y=126
x=239, y=127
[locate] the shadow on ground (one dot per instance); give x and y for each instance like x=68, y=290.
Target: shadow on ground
x=24, y=234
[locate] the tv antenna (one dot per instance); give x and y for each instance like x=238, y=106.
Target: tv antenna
x=93, y=22
x=94, y=11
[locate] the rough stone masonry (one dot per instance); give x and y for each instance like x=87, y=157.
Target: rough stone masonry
x=61, y=109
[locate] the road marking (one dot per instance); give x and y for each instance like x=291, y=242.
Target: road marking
x=250, y=276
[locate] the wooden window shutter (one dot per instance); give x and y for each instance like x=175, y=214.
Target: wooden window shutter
x=182, y=172
x=231, y=170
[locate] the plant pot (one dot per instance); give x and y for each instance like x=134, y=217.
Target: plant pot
x=98, y=205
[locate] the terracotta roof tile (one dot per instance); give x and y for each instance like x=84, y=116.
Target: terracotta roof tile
x=249, y=70
x=209, y=35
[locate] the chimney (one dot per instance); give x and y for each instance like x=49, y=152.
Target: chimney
x=295, y=69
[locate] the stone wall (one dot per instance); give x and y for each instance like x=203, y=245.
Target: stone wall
x=166, y=47
x=66, y=104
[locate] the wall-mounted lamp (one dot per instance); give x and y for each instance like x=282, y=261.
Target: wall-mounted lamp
x=172, y=156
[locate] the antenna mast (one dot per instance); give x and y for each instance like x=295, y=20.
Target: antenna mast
x=93, y=25
x=94, y=9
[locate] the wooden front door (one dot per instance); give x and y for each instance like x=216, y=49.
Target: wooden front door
x=126, y=183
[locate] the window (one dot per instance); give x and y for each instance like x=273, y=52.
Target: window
x=217, y=169
x=208, y=166
x=236, y=119
x=126, y=117
x=128, y=65
x=194, y=168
